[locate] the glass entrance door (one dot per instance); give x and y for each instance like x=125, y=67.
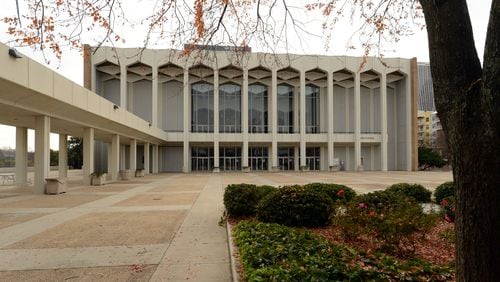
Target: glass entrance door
x=202, y=159
x=286, y=158
x=230, y=158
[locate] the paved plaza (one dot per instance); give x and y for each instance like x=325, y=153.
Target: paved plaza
x=156, y=228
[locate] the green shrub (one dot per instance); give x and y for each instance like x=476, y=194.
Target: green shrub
x=444, y=190
x=416, y=191
x=337, y=192
x=295, y=206
x=272, y=252
x=388, y=217
x=242, y=199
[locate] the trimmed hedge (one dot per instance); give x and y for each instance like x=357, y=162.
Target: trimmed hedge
x=242, y=199
x=296, y=206
x=415, y=191
x=444, y=190
x=337, y=192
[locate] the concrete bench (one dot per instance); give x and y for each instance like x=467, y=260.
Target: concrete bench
x=55, y=185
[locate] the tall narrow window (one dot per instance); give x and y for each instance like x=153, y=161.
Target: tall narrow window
x=229, y=108
x=312, y=109
x=202, y=107
x=257, y=108
x=285, y=108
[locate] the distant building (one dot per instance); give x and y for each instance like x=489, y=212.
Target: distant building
x=424, y=127
x=425, y=90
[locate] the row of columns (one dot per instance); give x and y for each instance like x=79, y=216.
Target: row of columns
x=42, y=155
x=274, y=120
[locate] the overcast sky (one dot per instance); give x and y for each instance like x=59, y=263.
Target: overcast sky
x=71, y=64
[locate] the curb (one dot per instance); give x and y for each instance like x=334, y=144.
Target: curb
x=232, y=251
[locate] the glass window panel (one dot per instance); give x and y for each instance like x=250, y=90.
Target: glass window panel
x=285, y=108
x=229, y=108
x=202, y=107
x=257, y=108
x=312, y=108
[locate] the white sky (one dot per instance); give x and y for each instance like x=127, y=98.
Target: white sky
x=71, y=64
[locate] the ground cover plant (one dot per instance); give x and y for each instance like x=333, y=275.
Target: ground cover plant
x=273, y=252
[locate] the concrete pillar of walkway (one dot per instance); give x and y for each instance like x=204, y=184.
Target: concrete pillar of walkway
x=296, y=158
x=114, y=162
x=357, y=123
x=274, y=120
x=42, y=152
x=123, y=85
x=186, y=113
x=88, y=154
x=155, y=159
x=329, y=101
x=244, y=120
x=216, y=121
x=146, y=158
x=154, y=97
x=383, y=121
x=133, y=155
x=302, y=102
x=63, y=156
x=21, y=156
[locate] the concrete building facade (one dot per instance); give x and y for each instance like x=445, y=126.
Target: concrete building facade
x=160, y=111
x=237, y=110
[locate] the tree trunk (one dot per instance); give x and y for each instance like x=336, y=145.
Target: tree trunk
x=467, y=100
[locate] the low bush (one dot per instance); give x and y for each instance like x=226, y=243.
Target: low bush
x=448, y=211
x=272, y=252
x=295, y=206
x=444, y=190
x=337, y=192
x=386, y=216
x=416, y=191
x=242, y=199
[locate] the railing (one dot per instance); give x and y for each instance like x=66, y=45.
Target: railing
x=258, y=129
x=230, y=129
x=202, y=128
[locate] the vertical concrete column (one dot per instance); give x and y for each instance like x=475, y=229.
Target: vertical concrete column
x=114, y=162
x=133, y=155
x=216, y=120
x=383, y=121
x=123, y=157
x=42, y=152
x=186, y=112
x=329, y=101
x=244, y=119
x=154, y=97
x=21, y=156
x=146, y=158
x=88, y=154
x=274, y=119
x=409, y=122
x=302, y=114
x=123, y=85
x=296, y=157
x=357, y=122
x=155, y=159
x=63, y=155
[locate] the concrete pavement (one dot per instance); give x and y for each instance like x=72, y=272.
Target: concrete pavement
x=157, y=228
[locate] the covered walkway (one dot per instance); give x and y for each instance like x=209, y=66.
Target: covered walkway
x=34, y=97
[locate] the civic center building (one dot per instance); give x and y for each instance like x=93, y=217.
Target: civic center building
x=219, y=109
